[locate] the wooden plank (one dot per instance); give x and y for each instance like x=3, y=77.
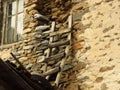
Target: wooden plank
x=49, y=49
x=70, y=25
x=59, y=43
x=61, y=67
x=60, y=32
x=26, y=76
x=19, y=63
x=51, y=39
x=51, y=71
x=54, y=57
x=41, y=28
x=66, y=51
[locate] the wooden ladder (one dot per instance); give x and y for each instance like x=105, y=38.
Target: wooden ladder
x=55, y=46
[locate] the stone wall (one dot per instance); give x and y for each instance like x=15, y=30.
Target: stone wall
x=27, y=50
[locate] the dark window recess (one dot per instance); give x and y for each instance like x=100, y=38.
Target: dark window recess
x=14, y=22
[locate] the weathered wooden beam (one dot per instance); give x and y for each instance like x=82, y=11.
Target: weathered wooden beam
x=12, y=79
x=61, y=67
x=66, y=51
x=54, y=57
x=40, y=28
x=51, y=71
x=60, y=32
x=49, y=49
x=19, y=63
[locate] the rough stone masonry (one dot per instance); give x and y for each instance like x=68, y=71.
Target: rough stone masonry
x=27, y=50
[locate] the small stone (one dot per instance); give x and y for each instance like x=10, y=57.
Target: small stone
x=40, y=59
x=54, y=10
x=21, y=51
x=106, y=68
x=38, y=36
x=42, y=28
x=28, y=47
x=29, y=66
x=45, y=42
x=51, y=62
x=87, y=46
x=28, y=30
x=82, y=78
x=23, y=58
x=43, y=68
x=26, y=41
x=54, y=17
x=107, y=0
x=41, y=51
x=49, y=68
x=99, y=79
x=28, y=51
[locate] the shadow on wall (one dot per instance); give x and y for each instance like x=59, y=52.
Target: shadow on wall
x=57, y=10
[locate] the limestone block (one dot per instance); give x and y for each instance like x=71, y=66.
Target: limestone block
x=28, y=30
x=23, y=58
x=21, y=52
